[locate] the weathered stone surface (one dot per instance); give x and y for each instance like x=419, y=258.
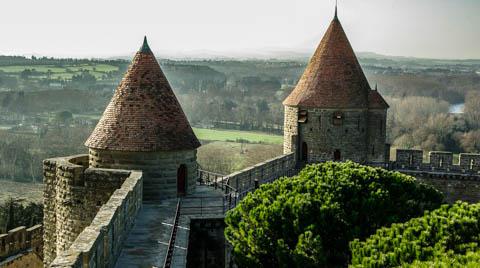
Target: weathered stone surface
x=441, y=160
x=470, y=162
x=456, y=181
x=72, y=197
x=290, y=130
x=355, y=134
x=159, y=168
x=22, y=247
x=409, y=158
x=99, y=244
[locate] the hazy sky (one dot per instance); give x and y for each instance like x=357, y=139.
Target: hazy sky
x=102, y=28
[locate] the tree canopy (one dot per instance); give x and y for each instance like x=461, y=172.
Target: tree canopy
x=308, y=220
x=446, y=237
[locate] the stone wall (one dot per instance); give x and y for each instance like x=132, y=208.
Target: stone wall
x=244, y=181
x=409, y=158
x=376, y=151
x=99, y=244
x=441, y=160
x=73, y=195
x=28, y=259
x=470, y=162
x=206, y=243
x=159, y=169
x=324, y=133
x=20, y=240
x=455, y=186
x=457, y=181
x=290, y=130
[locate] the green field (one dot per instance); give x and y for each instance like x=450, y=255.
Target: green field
x=56, y=69
x=66, y=72
x=233, y=135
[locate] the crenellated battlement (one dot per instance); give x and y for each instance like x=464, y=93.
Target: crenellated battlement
x=22, y=247
x=412, y=159
x=21, y=239
x=458, y=181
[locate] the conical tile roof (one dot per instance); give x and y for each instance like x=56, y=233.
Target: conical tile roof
x=333, y=77
x=376, y=101
x=144, y=114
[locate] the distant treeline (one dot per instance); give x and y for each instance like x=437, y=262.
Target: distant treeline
x=14, y=213
x=21, y=60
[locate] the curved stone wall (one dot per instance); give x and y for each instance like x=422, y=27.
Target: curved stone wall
x=159, y=169
x=73, y=195
x=99, y=244
x=323, y=135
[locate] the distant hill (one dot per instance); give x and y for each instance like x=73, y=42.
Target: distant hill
x=301, y=55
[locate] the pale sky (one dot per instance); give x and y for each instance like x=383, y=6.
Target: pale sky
x=104, y=28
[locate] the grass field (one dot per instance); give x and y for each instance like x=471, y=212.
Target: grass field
x=233, y=135
x=66, y=72
x=56, y=69
x=88, y=116
x=27, y=192
x=227, y=157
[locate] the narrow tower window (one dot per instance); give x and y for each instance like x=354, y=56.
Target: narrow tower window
x=302, y=116
x=337, y=118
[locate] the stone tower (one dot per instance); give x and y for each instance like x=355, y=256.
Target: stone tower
x=333, y=114
x=144, y=128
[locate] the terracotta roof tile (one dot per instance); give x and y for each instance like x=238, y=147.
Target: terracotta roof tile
x=333, y=77
x=144, y=114
x=376, y=101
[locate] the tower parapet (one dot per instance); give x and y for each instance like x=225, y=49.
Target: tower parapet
x=72, y=197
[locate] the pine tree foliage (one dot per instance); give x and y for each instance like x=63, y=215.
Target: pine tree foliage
x=309, y=219
x=446, y=237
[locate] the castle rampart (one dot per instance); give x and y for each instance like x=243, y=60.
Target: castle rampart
x=21, y=240
x=263, y=172
x=72, y=197
x=457, y=181
x=438, y=161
